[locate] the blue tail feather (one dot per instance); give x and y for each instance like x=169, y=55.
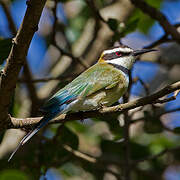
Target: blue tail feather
x=56, y=105
x=29, y=135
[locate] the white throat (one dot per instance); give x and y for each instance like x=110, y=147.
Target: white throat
x=126, y=62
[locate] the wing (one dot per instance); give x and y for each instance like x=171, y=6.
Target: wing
x=99, y=76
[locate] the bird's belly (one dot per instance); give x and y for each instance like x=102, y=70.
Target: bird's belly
x=105, y=97
x=113, y=95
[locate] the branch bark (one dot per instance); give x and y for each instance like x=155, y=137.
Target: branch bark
x=27, y=71
x=20, y=123
x=17, y=56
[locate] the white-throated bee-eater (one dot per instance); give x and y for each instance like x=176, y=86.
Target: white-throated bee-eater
x=100, y=85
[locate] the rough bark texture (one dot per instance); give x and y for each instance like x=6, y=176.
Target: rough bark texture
x=151, y=99
x=17, y=56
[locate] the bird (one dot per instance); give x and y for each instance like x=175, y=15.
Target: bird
x=102, y=84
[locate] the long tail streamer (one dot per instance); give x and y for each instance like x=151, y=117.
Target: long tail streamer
x=29, y=135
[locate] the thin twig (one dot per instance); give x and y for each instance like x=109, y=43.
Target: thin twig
x=77, y=59
x=54, y=9
x=62, y=51
x=169, y=111
x=127, y=169
x=127, y=120
x=10, y=21
x=90, y=159
x=80, y=154
x=96, y=13
x=41, y=80
x=145, y=85
x=94, y=36
x=163, y=39
x=158, y=115
x=161, y=101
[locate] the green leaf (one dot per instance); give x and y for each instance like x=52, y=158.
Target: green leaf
x=48, y=153
x=77, y=23
x=139, y=151
x=154, y=3
x=113, y=24
x=113, y=124
x=68, y=137
x=78, y=127
x=130, y=26
x=177, y=130
x=13, y=174
x=152, y=124
x=110, y=148
x=5, y=47
x=145, y=22
x=116, y=150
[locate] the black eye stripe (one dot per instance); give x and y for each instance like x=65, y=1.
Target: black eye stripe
x=115, y=55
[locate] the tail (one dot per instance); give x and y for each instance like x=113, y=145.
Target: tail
x=29, y=135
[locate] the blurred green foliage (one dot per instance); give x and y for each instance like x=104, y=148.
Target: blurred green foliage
x=144, y=21
x=5, y=47
x=13, y=174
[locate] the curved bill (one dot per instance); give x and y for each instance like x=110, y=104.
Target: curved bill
x=142, y=51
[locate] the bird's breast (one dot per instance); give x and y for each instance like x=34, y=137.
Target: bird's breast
x=104, y=97
x=114, y=94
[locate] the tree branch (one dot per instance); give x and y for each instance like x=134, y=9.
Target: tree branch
x=11, y=24
x=96, y=13
x=46, y=79
x=160, y=17
x=26, y=71
x=163, y=39
x=17, y=56
x=77, y=59
x=20, y=123
x=161, y=101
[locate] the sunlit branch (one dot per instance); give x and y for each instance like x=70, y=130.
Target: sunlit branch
x=19, y=123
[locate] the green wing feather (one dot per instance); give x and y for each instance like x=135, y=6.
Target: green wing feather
x=99, y=76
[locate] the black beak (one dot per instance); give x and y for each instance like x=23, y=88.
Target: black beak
x=142, y=51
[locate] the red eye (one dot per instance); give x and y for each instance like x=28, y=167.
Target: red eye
x=118, y=53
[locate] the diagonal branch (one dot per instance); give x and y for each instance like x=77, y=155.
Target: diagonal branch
x=77, y=59
x=161, y=40
x=26, y=72
x=17, y=55
x=93, y=8
x=19, y=123
x=11, y=24
x=160, y=17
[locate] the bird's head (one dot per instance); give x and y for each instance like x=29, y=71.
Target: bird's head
x=122, y=55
